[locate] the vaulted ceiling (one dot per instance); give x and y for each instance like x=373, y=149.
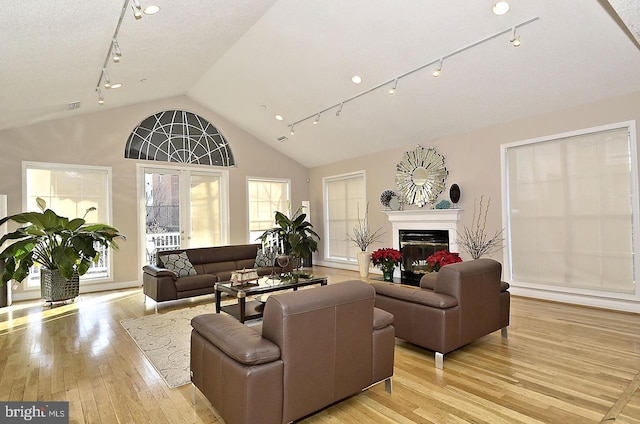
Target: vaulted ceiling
x=248, y=60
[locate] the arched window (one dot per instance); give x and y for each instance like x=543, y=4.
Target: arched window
x=179, y=136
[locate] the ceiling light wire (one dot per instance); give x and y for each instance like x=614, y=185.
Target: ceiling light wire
x=433, y=62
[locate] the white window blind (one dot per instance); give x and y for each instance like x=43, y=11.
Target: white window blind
x=344, y=197
x=570, y=211
x=70, y=190
x=266, y=196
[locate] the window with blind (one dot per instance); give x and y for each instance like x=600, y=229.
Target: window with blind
x=70, y=190
x=266, y=196
x=344, y=196
x=571, y=203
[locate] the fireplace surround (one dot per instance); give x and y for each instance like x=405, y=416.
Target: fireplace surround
x=435, y=221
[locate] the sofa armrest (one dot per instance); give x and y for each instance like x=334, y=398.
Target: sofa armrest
x=381, y=319
x=157, y=271
x=243, y=344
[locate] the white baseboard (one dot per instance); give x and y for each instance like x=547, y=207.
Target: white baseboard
x=84, y=288
x=577, y=299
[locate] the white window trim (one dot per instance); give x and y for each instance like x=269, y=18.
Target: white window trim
x=109, y=211
x=141, y=168
x=325, y=180
x=589, y=297
x=287, y=181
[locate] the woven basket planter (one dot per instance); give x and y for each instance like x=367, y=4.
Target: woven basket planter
x=55, y=288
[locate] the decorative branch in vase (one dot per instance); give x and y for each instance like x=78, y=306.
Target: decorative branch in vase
x=475, y=240
x=363, y=238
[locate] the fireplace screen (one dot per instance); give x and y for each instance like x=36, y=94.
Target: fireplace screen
x=416, y=246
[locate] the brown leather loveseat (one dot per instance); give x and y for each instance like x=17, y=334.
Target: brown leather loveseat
x=315, y=347
x=451, y=308
x=209, y=265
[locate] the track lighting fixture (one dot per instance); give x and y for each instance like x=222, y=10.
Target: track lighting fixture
x=100, y=96
x=293, y=130
x=137, y=9
x=436, y=72
x=515, y=39
x=105, y=77
x=395, y=85
x=115, y=51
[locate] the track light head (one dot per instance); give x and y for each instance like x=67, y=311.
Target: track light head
x=438, y=70
x=315, y=121
x=515, y=39
x=293, y=129
x=100, y=96
x=340, y=110
x=116, y=54
x=137, y=9
x=395, y=85
x=105, y=77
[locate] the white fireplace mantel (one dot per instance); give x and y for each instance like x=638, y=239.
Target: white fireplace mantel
x=425, y=219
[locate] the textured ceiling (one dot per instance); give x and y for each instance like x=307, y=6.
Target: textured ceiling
x=249, y=60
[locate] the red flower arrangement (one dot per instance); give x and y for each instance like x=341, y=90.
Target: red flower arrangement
x=386, y=259
x=442, y=258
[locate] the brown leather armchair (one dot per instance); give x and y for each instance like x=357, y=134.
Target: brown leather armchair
x=451, y=308
x=315, y=347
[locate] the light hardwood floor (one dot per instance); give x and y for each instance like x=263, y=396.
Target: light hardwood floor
x=560, y=364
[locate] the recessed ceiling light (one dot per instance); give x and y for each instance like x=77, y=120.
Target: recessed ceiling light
x=501, y=7
x=151, y=9
x=279, y=117
x=356, y=79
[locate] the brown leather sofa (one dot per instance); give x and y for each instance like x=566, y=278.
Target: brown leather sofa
x=451, y=308
x=315, y=347
x=211, y=264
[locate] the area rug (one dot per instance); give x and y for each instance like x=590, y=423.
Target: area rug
x=164, y=338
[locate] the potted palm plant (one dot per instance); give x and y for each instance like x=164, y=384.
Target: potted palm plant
x=295, y=236
x=64, y=248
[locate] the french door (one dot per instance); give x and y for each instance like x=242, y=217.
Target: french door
x=182, y=208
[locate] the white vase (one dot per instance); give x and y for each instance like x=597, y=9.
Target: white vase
x=364, y=261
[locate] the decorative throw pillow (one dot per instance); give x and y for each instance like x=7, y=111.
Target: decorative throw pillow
x=179, y=263
x=262, y=260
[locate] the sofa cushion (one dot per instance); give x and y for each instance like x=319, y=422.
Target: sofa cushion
x=242, y=343
x=179, y=263
x=194, y=282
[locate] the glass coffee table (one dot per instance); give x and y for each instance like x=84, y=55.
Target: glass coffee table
x=252, y=309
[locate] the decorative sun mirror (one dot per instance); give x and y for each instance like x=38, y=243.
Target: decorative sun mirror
x=420, y=176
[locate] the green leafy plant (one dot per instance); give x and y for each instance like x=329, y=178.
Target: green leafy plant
x=295, y=235
x=54, y=242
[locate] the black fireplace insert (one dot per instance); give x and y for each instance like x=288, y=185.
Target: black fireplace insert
x=416, y=246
